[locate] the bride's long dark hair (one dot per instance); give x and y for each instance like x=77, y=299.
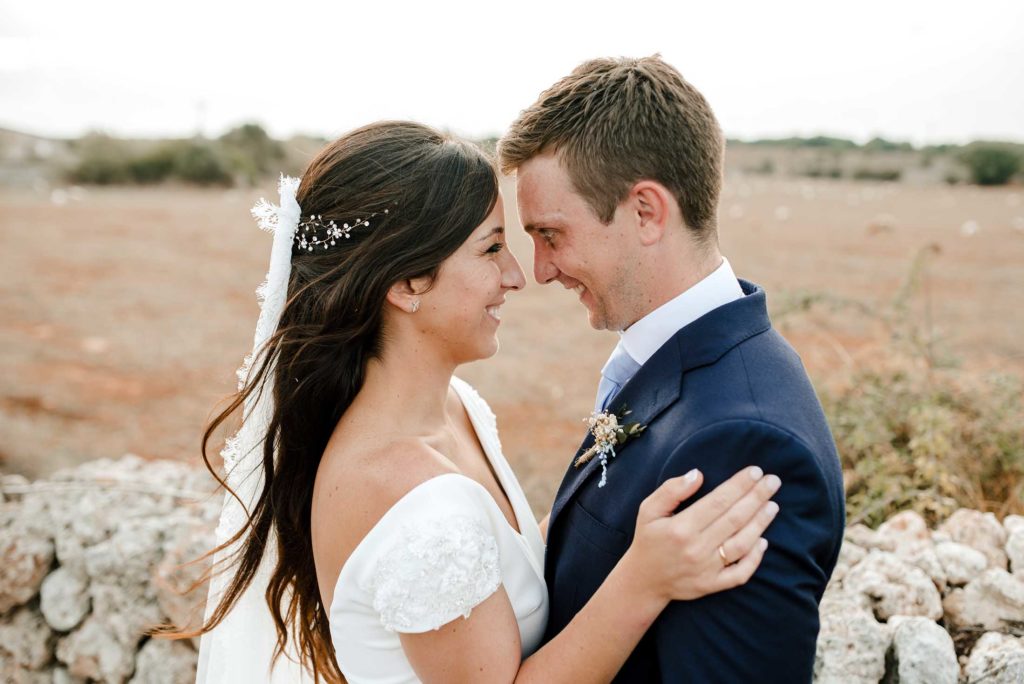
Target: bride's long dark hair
x=437, y=190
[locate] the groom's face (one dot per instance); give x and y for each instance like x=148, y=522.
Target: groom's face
x=572, y=246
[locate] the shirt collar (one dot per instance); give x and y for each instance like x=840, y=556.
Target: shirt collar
x=647, y=335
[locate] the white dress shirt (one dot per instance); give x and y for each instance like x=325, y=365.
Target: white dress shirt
x=647, y=335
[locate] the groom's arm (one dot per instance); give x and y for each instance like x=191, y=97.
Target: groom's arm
x=765, y=630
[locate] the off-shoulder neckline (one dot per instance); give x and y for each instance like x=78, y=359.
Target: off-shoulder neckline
x=417, y=490
x=459, y=385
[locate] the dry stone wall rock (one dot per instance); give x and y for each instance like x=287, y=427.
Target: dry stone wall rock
x=882, y=573
x=995, y=601
x=24, y=562
x=996, y=659
x=961, y=563
x=894, y=586
x=851, y=644
x=84, y=562
x=981, y=531
x=922, y=653
x=64, y=599
x=92, y=558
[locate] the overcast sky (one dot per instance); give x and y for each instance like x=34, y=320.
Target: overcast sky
x=920, y=71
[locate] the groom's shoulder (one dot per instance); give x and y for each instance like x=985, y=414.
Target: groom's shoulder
x=761, y=380
x=762, y=367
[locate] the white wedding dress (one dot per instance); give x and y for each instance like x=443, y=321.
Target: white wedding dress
x=442, y=549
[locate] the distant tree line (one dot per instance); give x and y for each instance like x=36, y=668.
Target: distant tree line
x=243, y=155
x=988, y=163
x=247, y=155
x=992, y=163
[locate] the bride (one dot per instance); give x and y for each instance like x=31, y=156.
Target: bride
x=384, y=537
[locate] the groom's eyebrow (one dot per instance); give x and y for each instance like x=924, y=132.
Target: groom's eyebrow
x=495, y=231
x=546, y=221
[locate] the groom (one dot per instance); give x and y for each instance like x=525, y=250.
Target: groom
x=619, y=169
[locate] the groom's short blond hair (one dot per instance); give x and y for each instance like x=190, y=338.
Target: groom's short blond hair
x=613, y=122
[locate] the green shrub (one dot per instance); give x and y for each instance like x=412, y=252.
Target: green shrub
x=818, y=141
x=250, y=152
x=102, y=160
x=829, y=142
x=945, y=148
x=198, y=162
x=819, y=172
x=99, y=171
x=152, y=167
x=990, y=163
x=883, y=145
x=930, y=442
x=913, y=431
x=878, y=174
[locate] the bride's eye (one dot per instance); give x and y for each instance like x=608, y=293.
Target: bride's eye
x=496, y=247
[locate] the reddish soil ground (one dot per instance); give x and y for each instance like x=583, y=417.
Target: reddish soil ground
x=124, y=313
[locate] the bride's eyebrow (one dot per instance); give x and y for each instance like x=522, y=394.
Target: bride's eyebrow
x=494, y=231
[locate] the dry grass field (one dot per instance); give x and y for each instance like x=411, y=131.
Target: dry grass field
x=125, y=312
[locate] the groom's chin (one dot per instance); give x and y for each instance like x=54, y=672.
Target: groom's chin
x=596, y=322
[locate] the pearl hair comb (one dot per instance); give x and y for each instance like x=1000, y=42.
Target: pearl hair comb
x=333, y=233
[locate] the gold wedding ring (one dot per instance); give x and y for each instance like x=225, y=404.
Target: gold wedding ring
x=721, y=554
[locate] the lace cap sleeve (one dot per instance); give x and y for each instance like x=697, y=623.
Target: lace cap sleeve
x=439, y=565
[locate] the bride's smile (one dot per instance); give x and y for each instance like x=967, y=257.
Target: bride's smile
x=461, y=309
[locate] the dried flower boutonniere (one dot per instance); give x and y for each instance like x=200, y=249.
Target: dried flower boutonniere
x=609, y=432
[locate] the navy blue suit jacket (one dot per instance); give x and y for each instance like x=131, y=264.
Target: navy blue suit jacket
x=725, y=392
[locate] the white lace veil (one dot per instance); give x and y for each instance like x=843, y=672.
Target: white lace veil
x=240, y=648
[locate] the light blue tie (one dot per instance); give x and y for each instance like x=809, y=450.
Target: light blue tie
x=615, y=374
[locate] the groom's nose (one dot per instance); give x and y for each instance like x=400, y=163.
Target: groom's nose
x=544, y=269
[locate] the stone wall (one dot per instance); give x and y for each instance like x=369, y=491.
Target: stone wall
x=911, y=605
x=91, y=558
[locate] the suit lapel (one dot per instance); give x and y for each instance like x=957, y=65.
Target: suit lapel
x=657, y=385
x=653, y=389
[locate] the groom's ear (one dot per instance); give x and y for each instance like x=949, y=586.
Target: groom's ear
x=652, y=206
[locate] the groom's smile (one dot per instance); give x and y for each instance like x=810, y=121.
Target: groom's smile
x=571, y=245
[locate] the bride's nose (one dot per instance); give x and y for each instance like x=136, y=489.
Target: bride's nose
x=512, y=276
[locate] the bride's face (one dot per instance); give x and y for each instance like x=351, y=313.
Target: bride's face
x=463, y=308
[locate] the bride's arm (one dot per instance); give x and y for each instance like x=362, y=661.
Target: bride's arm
x=672, y=557
x=543, y=525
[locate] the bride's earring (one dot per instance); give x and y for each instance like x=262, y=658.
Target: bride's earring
x=415, y=305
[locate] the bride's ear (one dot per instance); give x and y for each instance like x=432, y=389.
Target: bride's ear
x=405, y=294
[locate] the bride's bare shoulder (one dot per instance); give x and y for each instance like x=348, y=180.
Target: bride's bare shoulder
x=355, y=487
x=373, y=475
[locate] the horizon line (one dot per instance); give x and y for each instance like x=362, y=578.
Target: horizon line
x=743, y=139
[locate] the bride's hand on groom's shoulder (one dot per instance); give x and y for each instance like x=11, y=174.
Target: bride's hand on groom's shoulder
x=713, y=544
